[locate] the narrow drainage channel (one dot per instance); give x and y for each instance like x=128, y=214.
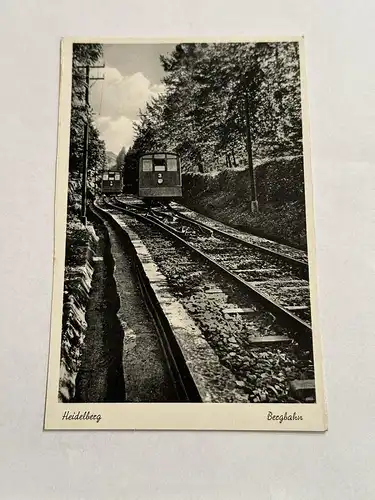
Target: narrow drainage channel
x=146, y=369
x=101, y=377
x=123, y=360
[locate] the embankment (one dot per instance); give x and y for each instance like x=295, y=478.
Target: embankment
x=225, y=196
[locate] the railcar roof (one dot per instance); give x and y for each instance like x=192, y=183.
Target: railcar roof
x=158, y=153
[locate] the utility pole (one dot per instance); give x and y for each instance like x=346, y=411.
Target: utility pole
x=254, y=201
x=85, y=146
x=86, y=139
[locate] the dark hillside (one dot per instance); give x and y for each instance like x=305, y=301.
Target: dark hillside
x=225, y=196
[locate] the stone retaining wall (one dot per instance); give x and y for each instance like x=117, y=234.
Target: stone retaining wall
x=77, y=286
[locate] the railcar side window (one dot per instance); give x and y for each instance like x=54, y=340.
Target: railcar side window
x=105, y=177
x=147, y=165
x=172, y=165
x=117, y=177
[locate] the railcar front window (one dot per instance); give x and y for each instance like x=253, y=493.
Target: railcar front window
x=117, y=177
x=172, y=165
x=159, y=164
x=147, y=165
x=105, y=177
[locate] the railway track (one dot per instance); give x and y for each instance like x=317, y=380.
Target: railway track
x=277, y=280
x=290, y=255
x=242, y=325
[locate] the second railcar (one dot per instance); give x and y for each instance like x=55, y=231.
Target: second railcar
x=159, y=176
x=112, y=182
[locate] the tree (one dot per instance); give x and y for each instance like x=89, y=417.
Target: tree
x=226, y=104
x=120, y=158
x=96, y=158
x=83, y=54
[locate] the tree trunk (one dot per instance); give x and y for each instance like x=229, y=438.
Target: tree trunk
x=254, y=202
x=279, y=92
x=234, y=159
x=229, y=164
x=200, y=163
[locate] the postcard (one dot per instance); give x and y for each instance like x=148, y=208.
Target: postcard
x=184, y=292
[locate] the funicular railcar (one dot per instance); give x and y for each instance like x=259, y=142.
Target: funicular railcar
x=159, y=176
x=112, y=182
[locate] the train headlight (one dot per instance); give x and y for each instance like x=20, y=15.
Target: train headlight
x=160, y=181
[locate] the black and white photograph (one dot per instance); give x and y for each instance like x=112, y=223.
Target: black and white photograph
x=184, y=239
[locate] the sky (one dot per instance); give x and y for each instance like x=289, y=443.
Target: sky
x=132, y=76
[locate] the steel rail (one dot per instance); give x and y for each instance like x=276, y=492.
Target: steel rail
x=302, y=329
x=300, y=264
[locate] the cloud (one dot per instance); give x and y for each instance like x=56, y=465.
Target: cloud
x=116, y=132
x=117, y=101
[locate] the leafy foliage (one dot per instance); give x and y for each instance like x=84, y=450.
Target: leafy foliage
x=224, y=196
x=202, y=116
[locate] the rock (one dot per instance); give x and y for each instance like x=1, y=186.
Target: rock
x=240, y=383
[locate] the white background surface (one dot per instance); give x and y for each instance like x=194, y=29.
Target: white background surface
x=186, y=465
